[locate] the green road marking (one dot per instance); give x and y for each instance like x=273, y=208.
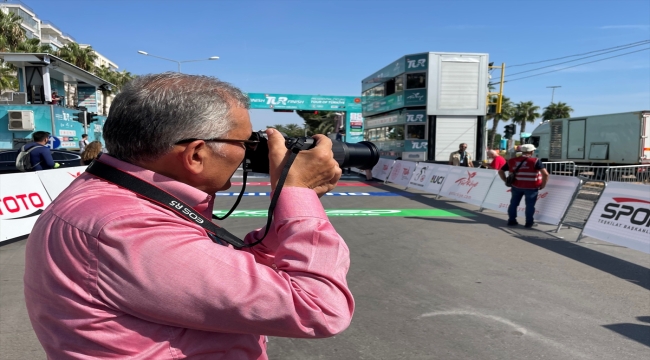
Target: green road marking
x=362, y=212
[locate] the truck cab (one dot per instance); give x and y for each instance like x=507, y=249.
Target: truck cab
x=541, y=137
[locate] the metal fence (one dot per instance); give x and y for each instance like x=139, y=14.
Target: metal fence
x=562, y=168
x=639, y=174
x=583, y=202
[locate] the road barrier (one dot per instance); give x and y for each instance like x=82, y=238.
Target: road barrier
x=622, y=216
x=566, y=200
x=639, y=174
x=561, y=168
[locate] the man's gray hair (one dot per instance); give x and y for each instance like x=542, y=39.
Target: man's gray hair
x=152, y=112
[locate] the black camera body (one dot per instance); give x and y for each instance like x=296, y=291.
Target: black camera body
x=363, y=155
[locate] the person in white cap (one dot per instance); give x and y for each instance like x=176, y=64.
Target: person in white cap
x=530, y=177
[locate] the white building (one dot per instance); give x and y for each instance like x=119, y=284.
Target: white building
x=50, y=34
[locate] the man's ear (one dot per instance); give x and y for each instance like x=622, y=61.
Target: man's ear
x=194, y=155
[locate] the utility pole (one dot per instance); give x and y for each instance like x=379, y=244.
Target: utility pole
x=553, y=92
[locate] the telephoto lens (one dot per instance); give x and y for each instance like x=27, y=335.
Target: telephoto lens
x=363, y=155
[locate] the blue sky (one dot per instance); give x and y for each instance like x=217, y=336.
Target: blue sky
x=326, y=47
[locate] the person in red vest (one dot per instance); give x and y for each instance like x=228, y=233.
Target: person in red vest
x=530, y=177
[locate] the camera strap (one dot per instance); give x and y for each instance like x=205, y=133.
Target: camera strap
x=166, y=200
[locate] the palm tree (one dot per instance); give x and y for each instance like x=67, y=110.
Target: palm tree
x=525, y=112
x=11, y=31
x=507, y=112
x=109, y=75
x=8, y=79
x=78, y=56
x=34, y=46
x=557, y=111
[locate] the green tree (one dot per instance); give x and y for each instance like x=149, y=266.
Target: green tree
x=291, y=130
x=10, y=31
x=118, y=79
x=78, y=56
x=8, y=79
x=34, y=46
x=507, y=112
x=525, y=112
x=557, y=111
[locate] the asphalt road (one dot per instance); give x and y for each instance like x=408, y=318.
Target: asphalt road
x=451, y=284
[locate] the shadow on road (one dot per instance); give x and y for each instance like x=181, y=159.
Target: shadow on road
x=622, y=269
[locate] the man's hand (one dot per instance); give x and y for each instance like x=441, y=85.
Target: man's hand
x=314, y=169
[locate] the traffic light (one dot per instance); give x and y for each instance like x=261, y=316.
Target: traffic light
x=78, y=117
x=509, y=130
x=91, y=118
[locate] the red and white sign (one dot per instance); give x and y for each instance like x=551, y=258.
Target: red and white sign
x=22, y=199
x=467, y=184
x=382, y=169
x=552, y=201
x=402, y=172
x=56, y=180
x=622, y=216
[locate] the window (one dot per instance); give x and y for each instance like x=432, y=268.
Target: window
x=395, y=132
x=416, y=81
x=399, y=83
x=390, y=87
x=415, y=132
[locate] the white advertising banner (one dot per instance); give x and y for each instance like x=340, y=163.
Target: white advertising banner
x=56, y=180
x=382, y=169
x=435, y=177
x=22, y=199
x=622, y=216
x=420, y=174
x=552, y=201
x=402, y=172
x=467, y=184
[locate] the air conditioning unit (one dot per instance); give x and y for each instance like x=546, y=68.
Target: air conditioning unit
x=21, y=120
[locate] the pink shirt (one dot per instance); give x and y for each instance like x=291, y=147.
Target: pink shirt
x=111, y=275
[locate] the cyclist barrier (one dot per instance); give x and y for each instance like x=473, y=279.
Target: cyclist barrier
x=24, y=196
x=631, y=174
x=614, y=212
x=566, y=200
x=622, y=217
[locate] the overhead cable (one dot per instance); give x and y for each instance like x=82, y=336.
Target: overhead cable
x=582, y=58
x=569, y=67
x=590, y=52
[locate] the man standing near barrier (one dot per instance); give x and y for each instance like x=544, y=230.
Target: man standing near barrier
x=461, y=157
x=113, y=273
x=530, y=177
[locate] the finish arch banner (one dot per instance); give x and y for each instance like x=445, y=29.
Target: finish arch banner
x=436, y=178
x=467, y=184
x=56, y=180
x=401, y=172
x=622, y=216
x=552, y=201
x=22, y=199
x=382, y=169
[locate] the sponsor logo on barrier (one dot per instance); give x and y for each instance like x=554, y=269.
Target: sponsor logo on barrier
x=14, y=204
x=75, y=175
x=385, y=167
x=623, y=209
x=437, y=179
x=467, y=181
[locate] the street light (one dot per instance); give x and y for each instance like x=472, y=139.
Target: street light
x=553, y=92
x=177, y=61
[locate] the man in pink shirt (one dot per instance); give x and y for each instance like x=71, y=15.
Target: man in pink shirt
x=111, y=274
